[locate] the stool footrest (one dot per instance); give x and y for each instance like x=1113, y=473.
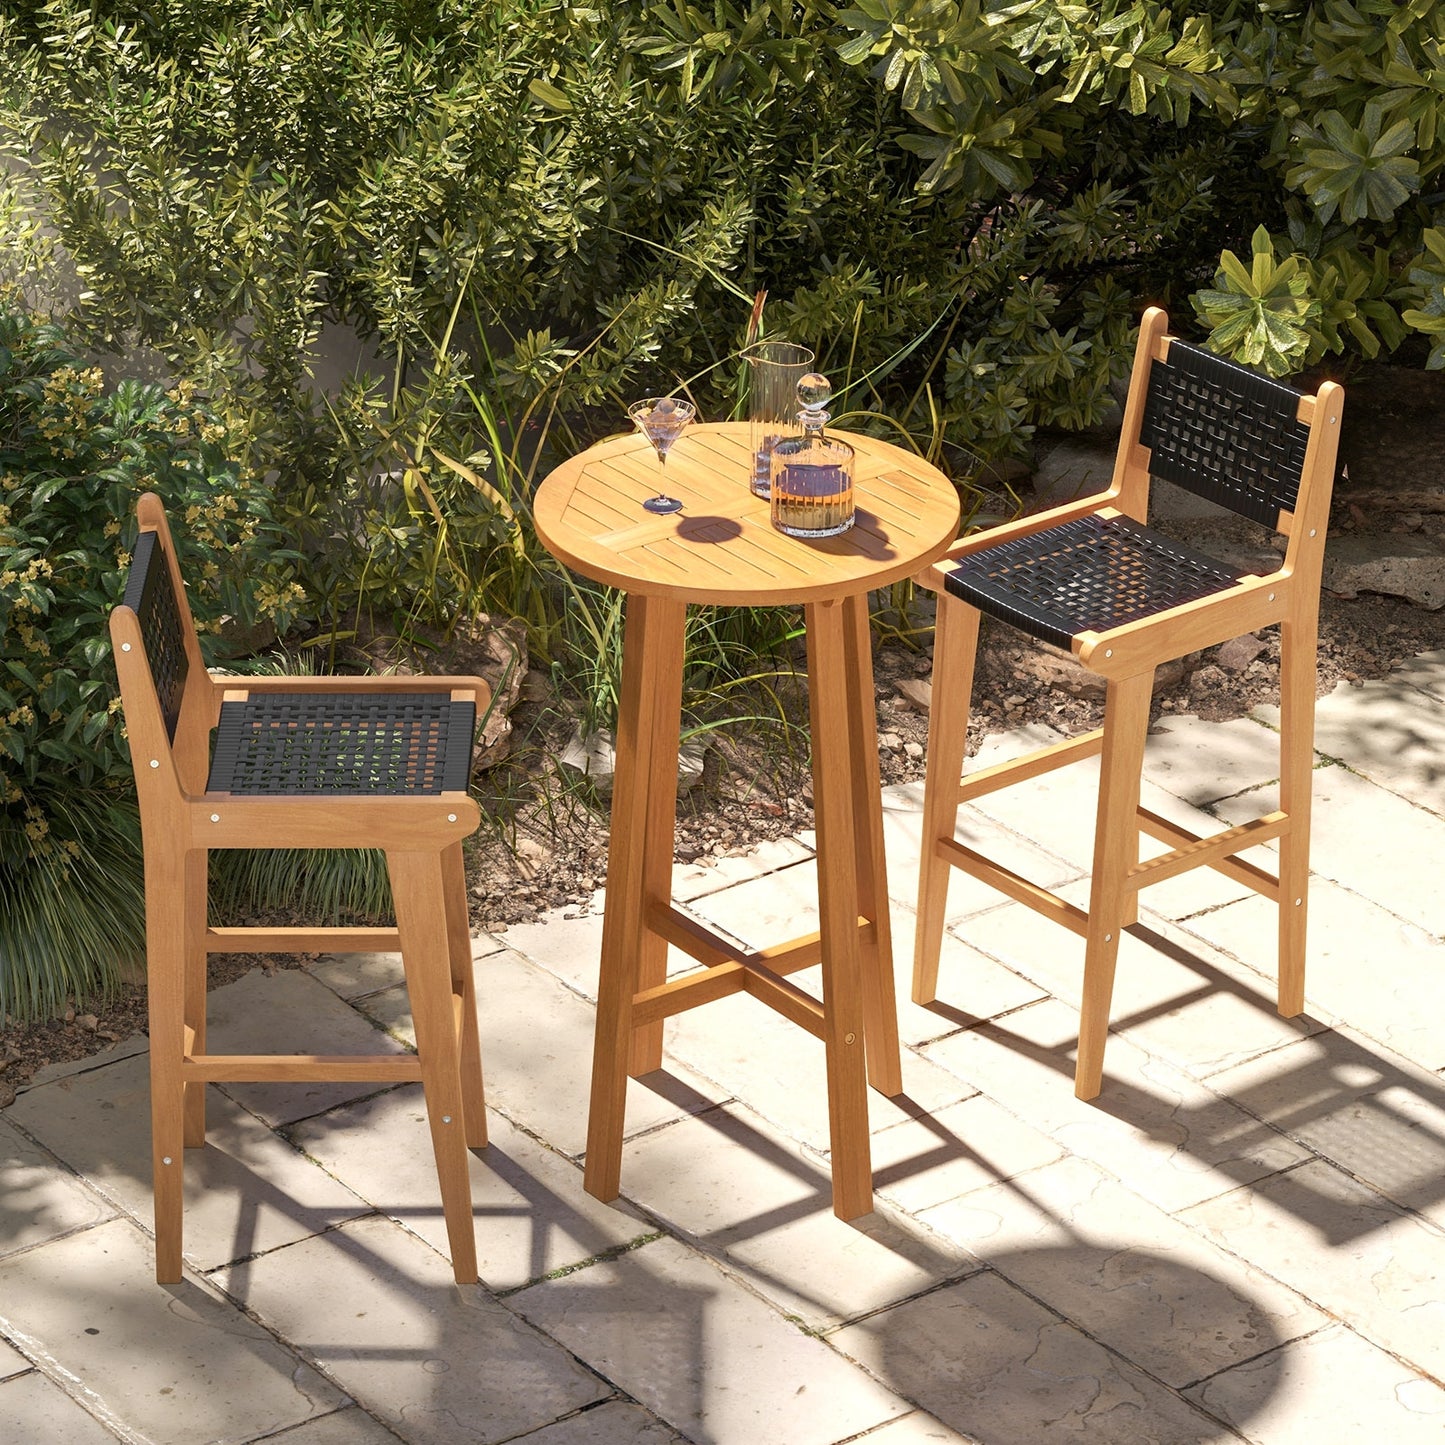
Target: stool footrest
x=303, y=940
x=731, y=969
x=711, y=947
x=1030, y=765
x=1217, y=850
x=286, y=1068
x=1015, y=885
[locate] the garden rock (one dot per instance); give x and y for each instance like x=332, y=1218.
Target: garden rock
x=1395, y=564
x=594, y=757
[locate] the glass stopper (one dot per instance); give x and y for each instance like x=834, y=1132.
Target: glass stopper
x=815, y=390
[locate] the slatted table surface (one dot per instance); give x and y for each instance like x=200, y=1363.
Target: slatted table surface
x=722, y=547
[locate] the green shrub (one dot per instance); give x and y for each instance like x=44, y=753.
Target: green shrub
x=1310, y=137
x=74, y=457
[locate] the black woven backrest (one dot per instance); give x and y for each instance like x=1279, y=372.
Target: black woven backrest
x=1224, y=432
x=149, y=594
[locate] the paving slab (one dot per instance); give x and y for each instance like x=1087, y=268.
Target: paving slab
x=36, y=1411
x=784, y=904
x=1376, y=1116
x=729, y=1183
x=245, y=1190
x=752, y=1053
x=1175, y=995
x=537, y=1053
x=975, y=828
x=1389, y=732
x=711, y=875
x=915, y=1429
x=175, y=1364
x=282, y=1012
x=1204, y=762
x=1330, y=1386
x=1056, y=813
x=378, y=1311
x=351, y=1426
x=568, y=948
x=989, y=1361
x=940, y=1156
x=1135, y=1278
x=1365, y=966
x=12, y=1362
x=705, y=1354
x=610, y=1423
x=530, y=1212
x=69, y=1068
x=1172, y=1139
x=1425, y=671
x=39, y=1198
x=1370, y=841
x=1347, y=1248
x=985, y=987
x=353, y=975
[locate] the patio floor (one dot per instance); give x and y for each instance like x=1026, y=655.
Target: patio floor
x=1242, y=1238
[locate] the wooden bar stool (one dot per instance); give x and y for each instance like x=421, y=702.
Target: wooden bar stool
x=299, y=762
x=1090, y=577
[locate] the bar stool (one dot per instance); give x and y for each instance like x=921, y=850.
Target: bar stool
x=1091, y=577
x=299, y=762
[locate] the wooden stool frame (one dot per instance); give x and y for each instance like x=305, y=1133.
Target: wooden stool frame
x=1126, y=657
x=181, y=822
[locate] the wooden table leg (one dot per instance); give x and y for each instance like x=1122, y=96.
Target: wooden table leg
x=639, y=867
x=833, y=805
x=879, y=1006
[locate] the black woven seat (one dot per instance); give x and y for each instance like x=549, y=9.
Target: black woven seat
x=1085, y=576
x=361, y=744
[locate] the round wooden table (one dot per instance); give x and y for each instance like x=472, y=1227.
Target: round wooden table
x=722, y=548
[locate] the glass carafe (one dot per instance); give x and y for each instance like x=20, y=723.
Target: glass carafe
x=812, y=473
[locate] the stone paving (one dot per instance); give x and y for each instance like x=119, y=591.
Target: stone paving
x=1243, y=1238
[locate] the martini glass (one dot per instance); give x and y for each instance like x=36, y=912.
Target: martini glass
x=661, y=419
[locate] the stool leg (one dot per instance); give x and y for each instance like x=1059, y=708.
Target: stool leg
x=421, y=919
x=955, y=643
x=1116, y=851
x=1298, y=648
x=880, y=1008
x=171, y=888
x=459, y=950
x=196, y=908
x=651, y=660
x=843, y=1014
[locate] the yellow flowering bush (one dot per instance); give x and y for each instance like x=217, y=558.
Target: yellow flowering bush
x=74, y=456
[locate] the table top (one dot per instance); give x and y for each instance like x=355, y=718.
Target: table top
x=722, y=546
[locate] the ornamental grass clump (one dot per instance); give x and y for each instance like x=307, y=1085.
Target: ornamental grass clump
x=74, y=456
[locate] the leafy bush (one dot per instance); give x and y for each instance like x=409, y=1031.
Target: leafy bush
x=1311, y=135
x=73, y=459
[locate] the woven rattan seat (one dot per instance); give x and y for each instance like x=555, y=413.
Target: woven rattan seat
x=1094, y=578
x=1085, y=575
x=366, y=744
x=297, y=763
